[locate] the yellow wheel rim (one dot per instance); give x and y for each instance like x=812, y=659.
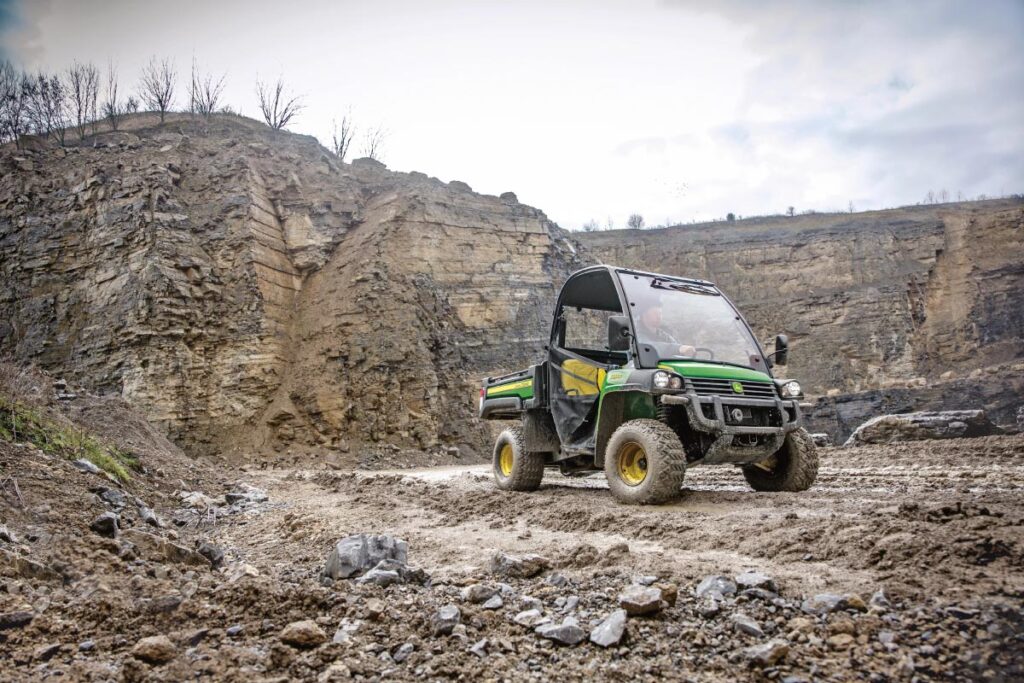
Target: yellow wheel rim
x=505, y=460
x=632, y=464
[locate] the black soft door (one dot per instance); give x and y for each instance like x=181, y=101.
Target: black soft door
x=575, y=388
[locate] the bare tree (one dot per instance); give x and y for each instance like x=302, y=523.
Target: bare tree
x=930, y=197
x=341, y=137
x=112, y=109
x=790, y=211
x=157, y=85
x=373, y=143
x=610, y=225
x=591, y=226
x=16, y=90
x=277, y=106
x=131, y=105
x=944, y=195
x=850, y=207
x=82, y=84
x=49, y=107
x=204, y=93
x=635, y=222
x=730, y=217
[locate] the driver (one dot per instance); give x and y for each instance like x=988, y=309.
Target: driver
x=649, y=328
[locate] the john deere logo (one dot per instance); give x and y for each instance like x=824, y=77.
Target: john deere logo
x=737, y=387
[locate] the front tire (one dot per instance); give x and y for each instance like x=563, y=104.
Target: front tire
x=515, y=469
x=644, y=463
x=794, y=467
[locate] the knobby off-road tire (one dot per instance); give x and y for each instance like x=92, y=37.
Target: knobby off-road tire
x=662, y=472
x=525, y=470
x=796, y=466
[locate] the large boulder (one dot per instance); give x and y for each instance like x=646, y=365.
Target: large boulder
x=945, y=424
x=357, y=554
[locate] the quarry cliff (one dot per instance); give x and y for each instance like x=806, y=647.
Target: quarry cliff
x=249, y=293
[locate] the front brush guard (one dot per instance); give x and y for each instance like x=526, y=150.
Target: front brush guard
x=724, y=448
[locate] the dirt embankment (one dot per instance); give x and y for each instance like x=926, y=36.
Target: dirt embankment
x=922, y=544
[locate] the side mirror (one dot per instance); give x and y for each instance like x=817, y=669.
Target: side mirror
x=618, y=333
x=781, y=349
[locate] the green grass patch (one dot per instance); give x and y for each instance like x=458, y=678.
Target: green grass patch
x=22, y=424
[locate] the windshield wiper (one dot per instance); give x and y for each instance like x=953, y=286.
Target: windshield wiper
x=689, y=287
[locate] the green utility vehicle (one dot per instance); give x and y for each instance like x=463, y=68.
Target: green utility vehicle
x=646, y=375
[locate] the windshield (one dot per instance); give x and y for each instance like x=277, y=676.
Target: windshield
x=676, y=320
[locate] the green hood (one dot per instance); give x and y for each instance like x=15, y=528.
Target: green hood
x=688, y=368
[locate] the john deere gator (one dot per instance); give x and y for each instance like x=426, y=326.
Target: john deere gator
x=646, y=375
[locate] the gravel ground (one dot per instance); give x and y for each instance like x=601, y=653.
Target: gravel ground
x=904, y=561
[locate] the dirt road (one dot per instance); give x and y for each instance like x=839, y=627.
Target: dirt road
x=920, y=545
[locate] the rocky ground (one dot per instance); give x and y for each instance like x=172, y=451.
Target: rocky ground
x=903, y=562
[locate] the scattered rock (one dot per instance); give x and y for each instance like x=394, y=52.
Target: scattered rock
x=87, y=646
x=755, y=579
x=946, y=424
x=15, y=619
x=479, y=648
x=346, y=629
x=709, y=606
x=445, y=620
x=760, y=594
x=840, y=641
x=640, y=600
x=744, y=624
x=717, y=586
x=235, y=631
x=566, y=633
x=529, y=617
x=402, y=652
x=154, y=650
x=212, y=553
x=45, y=653
x=479, y=592
x=303, y=634
x=766, y=654
x=381, y=575
x=86, y=466
x=357, y=554
x=6, y=535
x=556, y=579
x=519, y=567
x=244, y=493
x=495, y=602
x=337, y=672
x=821, y=439
x=106, y=524
x=611, y=629
x=149, y=517
x=824, y=603
x=114, y=497
x=669, y=592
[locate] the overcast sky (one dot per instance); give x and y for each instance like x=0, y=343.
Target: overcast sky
x=595, y=109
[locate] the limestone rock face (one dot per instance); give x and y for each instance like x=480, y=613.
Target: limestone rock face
x=250, y=293
x=894, y=306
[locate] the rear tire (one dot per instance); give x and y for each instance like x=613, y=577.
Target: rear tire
x=514, y=468
x=796, y=466
x=644, y=463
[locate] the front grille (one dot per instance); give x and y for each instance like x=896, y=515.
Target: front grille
x=724, y=387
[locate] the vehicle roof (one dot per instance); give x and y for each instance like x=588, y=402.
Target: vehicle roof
x=634, y=271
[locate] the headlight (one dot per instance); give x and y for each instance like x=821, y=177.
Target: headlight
x=675, y=383
x=791, y=390
x=661, y=379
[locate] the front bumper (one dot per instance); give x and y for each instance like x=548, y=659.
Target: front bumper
x=737, y=443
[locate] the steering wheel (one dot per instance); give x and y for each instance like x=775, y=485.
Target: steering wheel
x=703, y=349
